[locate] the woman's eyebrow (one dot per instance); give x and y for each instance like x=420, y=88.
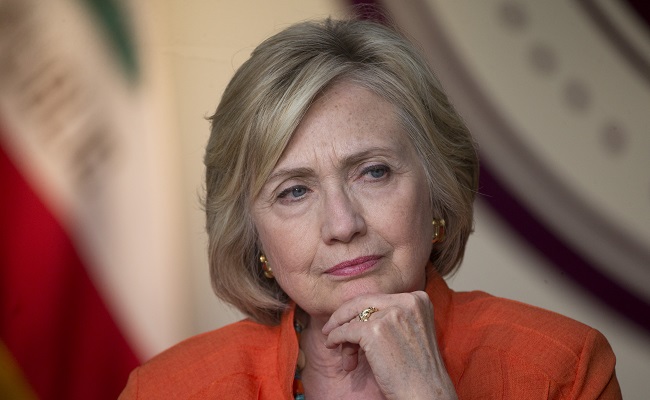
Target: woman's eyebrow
x=347, y=161
x=290, y=172
x=355, y=158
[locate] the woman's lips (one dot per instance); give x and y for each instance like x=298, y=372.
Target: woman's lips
x=353, y=267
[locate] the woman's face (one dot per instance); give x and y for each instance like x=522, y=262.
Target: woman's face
x=346, y=209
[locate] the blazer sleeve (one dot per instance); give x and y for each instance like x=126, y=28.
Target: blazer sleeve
x=130, y=392
x=595, y=374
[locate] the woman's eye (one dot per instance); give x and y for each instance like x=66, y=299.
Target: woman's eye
x=376, y=171
x=298, y=191
x=293, y=193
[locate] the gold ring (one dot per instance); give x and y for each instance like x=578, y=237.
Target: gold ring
x=365, y=314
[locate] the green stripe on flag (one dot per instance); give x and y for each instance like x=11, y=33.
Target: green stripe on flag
x=117, y=28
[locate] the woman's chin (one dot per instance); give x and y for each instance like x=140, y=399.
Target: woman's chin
x=355, y=289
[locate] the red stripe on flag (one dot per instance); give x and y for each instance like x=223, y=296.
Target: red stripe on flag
x=52, y=319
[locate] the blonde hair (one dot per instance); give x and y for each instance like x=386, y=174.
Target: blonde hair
x=261, y=108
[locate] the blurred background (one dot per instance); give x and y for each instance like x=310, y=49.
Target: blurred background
x=102, y=129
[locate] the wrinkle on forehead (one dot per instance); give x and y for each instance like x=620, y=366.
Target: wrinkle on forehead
x=338, y=109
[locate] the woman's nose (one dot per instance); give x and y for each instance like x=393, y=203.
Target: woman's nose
x=342, y=219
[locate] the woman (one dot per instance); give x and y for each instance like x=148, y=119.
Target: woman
x=340, y=184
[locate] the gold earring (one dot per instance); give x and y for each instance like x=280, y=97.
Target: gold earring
x=268, y=272
x=438, y=231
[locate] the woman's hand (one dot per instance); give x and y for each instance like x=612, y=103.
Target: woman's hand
x=399, y=343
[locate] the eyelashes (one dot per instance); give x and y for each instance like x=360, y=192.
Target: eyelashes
x=294, y=192
x=376, y=172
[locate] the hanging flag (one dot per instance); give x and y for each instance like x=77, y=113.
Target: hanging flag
x=87, y=210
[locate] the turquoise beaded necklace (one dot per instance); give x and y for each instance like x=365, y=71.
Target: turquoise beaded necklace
x=298, y=389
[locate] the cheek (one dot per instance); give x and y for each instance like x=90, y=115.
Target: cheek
x=410, y=215
x=287, y=246
x=409, y=227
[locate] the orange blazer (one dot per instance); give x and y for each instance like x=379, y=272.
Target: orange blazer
x=493, y=349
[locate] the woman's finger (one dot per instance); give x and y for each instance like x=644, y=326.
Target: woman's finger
x=349, y=356
x=350, y=310
x=344, y=334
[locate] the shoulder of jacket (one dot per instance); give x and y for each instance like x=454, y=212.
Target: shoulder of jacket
x=241, y=349
x=516, y=330
x=513, y=342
